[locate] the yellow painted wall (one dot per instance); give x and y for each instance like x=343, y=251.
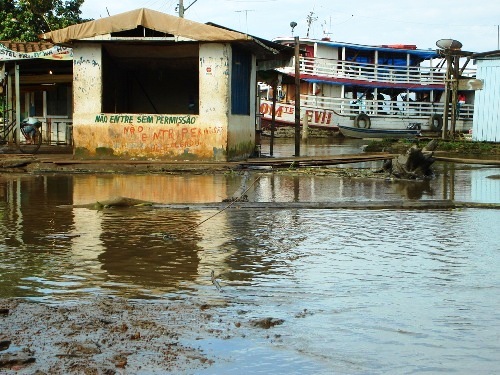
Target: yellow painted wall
x=164, y=136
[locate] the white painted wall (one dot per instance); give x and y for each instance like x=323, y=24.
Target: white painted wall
x=214, y=82
x=87, y=78
x=486, y=123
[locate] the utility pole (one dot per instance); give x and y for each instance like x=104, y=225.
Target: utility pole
x=297, y=96
x=181, y=9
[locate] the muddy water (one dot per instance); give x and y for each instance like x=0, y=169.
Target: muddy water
x=385, y=291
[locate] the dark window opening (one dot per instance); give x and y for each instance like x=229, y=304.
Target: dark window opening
x=240, y=82
x=150, y=79
x=59, y=101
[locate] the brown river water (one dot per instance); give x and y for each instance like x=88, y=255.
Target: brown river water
x=360, y=291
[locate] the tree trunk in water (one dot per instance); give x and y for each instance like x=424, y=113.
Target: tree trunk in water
x=415, y=164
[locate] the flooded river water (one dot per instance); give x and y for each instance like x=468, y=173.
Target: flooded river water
x=359, y=291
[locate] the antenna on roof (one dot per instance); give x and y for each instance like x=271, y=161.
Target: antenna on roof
x=310, y=19
x=246, y=16
x=326, y=32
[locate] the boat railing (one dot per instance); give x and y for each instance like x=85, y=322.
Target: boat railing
x=341, y=69
x=382, y=108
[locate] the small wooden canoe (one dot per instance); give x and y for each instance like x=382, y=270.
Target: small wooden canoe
x=353, y=132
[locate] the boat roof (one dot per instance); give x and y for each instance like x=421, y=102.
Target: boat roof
x=424, y=54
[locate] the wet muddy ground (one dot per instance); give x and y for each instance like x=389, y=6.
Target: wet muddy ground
x=104, y=336
x=115, y=336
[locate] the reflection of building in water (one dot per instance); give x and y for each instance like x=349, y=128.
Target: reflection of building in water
x=485, y=187
x=152, y=188
x=310, y=188
x=215, y=247
x=86, y=243
x=139, y=259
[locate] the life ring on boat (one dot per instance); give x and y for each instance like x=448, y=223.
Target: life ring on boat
x=362, y=119
x=436, y=122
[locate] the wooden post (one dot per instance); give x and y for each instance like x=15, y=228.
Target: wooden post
x=297, y=97
x=305, y=127
x=273, y=116
x=18, y=101
x=454, y=95
x=449, y=63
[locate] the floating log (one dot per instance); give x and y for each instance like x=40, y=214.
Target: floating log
x=347, y=205
x=115, y=202
x=354, y=205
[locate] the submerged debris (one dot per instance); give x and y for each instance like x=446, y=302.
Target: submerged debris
x=243, y=198
x=415, y=164
x=267, y=323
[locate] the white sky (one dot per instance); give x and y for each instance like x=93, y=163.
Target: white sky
x=420, y=22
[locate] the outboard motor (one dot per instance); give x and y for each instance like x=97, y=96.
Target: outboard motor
x=414, y=126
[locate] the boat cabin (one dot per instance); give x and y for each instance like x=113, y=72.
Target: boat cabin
x=385, y=86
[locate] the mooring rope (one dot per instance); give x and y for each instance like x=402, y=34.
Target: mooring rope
x=167, y=236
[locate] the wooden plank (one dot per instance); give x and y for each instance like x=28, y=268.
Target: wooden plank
x=356, y=205
x=467, y=161
x=470, y=84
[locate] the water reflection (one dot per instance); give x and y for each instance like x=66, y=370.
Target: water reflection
x=124, y=251
x=414, y=283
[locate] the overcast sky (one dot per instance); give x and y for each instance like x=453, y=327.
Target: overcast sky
x=419, y=22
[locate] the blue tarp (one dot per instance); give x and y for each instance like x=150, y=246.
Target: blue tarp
x=387, y=56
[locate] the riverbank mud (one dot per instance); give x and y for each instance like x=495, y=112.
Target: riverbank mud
x=106, y=336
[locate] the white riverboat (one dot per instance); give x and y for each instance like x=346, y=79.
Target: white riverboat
x=378, y=87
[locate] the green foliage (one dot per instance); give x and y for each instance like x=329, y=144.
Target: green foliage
x=462, y=147
x=24, y=20
x=468, y=147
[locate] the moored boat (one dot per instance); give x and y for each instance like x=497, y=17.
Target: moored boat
x=350, y=131
x=378, y=87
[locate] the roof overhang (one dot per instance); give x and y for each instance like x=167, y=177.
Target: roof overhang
x=169, y=25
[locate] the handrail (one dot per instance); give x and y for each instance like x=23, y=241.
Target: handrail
x=333, y=68
x=382, y=108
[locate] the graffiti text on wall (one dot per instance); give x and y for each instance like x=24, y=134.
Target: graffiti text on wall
x=145, y=119
x=158, y=132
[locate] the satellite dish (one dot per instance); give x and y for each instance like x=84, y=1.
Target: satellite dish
x=449, y=44
x=292, y=25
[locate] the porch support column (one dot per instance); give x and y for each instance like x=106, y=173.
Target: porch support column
x=18, y=100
